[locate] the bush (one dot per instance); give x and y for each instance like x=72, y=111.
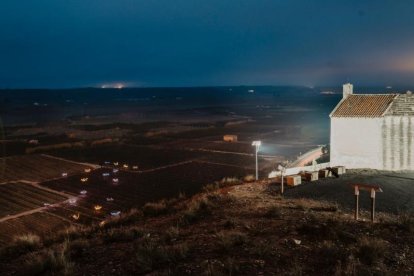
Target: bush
x=370, y=250
x=49, y=263
x=330, y=253
x=172, y=234
x=122, y=234
x=77, y=248
x=211, y=187
x=21, y=245
x=262, y=249
x=229, y=181
x=131, y=217
x=249, y=178
x=152, y=209
x=273, y=212
x=150, y=255
x=406, y=222
x=198, y=209
x=227, y=240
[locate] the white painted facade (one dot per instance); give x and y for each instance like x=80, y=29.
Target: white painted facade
x=356, y=142
x=384, y=142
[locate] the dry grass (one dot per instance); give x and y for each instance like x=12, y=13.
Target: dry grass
x=406, y=222
x=77, y=248
x=122, y=234
x=371, y=250
x=228, y=240
x=249, y=178
x=21, y=245
x=153, y=209
x=196, y=210
x=51, y=262
x=273, y=212
x=171, y=234
x=151, y=255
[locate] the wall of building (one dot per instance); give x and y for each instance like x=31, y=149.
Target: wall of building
x=398, y=142
x=357, y=142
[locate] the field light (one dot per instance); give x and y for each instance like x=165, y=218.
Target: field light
x=282, y=172
x=257, y=144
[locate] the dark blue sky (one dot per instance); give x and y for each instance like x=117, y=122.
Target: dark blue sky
x=72, y=43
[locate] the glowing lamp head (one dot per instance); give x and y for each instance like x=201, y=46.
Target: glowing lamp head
x=257, y=143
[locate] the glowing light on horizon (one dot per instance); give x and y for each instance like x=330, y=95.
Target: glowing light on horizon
x=118, y=85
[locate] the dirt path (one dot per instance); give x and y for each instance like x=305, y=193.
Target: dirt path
x=94, y=166
x=157, y=168
x=40, y=209
x=26, y=213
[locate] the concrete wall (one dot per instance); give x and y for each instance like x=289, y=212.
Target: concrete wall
x=356, y=142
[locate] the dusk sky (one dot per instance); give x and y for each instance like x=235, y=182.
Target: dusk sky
x=74, y=43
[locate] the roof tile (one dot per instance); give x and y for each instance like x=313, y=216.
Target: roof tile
x=363, y=105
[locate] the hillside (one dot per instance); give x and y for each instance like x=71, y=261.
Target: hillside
x=246, y=229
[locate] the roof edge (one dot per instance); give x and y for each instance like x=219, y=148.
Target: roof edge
x=336, y=107
x=390, y=105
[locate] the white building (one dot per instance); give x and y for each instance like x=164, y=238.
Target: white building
x=373, y=131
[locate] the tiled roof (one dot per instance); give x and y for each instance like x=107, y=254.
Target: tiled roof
x=363, y=105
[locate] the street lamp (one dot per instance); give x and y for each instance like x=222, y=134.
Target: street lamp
x=257, y=144
x=282, y=172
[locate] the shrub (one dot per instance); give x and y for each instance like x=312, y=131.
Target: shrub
x=172, y=234
x=273, y=212
x=211, y=187
x=77, y=248
x=150, y=255
x=21, y=245
x=262, y=249
x=249, y=178
x=198, y=209
x=229, y=181
x=230, y=222
x=227, y=240
x=330, y=253
x=128, y=218
x=370, y=250
x=406, y=222
x=231, y=266
x=122, y=234
x=49, y=263
x=153, y=209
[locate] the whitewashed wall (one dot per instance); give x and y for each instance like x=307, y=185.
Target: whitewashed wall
x=397, y=143
x=356, y=142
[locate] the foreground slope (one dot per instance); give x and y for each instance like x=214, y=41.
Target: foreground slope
x=246, y=229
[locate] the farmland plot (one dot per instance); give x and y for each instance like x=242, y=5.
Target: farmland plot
x=20, y=197
x=35, y=168
x=144, y=157
x=135, y=189
x=132, y=190
x=40, y=223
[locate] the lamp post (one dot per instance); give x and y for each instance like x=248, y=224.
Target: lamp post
x=282, y=173
x=257, y=144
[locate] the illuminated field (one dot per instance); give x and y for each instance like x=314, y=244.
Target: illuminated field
x=132, y=190
x=20, y=197
x=35, y=168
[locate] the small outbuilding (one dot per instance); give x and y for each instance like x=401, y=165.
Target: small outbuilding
x=230, y=138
